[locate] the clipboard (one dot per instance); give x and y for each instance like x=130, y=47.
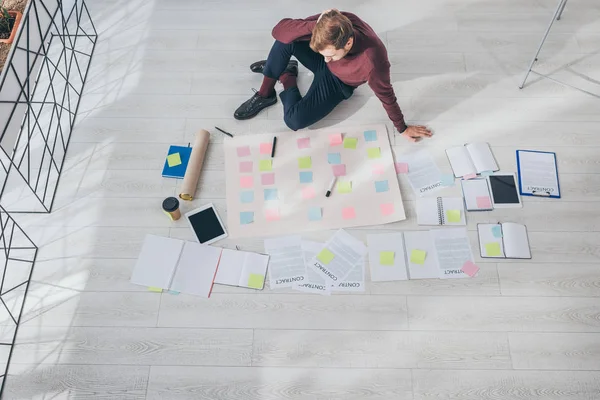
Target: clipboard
x=540, y=193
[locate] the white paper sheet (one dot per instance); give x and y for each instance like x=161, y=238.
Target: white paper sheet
x=482, y=157
x=286, y=265
x=389, y=242
x=423, y=175
x=196, y=269
x=474, y=188
x=157, y=261
x=421, y=240
x=453, y=250
x=538, y=173
x=347, y=251
x=313, y=282
x=460, y=161
x=354, y=281
x=516, y=242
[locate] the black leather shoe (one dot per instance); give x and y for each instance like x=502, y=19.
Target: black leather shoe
x=259, y=66
x=254, y=105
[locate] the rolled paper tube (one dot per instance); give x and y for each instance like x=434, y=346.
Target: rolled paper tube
x=192, y=173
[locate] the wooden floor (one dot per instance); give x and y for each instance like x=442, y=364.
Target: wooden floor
x=164, y=69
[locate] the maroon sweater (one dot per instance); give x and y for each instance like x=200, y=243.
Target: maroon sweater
x=367, y=60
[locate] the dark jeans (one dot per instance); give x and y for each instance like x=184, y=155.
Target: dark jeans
x=325, y=92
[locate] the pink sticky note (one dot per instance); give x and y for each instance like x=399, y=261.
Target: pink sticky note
x=272, y=214
x=348, y=213
x=387, y=209
x=339, y=169
x=401, y=168
x=246, y=181
x=303, y=143
x=378, y=169
x=470, y=269
x=243, y=151
x=246, y=166
x=470, y=176
x=267, y=179
x=265, y=148
x=335, y=139
x=308, y=192
x=484, y=202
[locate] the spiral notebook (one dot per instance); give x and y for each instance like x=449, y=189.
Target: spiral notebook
x=441, y=211
x=503, y=240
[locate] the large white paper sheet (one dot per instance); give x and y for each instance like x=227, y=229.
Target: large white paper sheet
x=387, y=242
x=423, y=175
x=286, y=265
x=339, y=256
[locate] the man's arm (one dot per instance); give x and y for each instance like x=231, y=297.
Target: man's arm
x=379, y=81
x=289, y=30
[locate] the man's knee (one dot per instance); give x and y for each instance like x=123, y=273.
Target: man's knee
x=294, y=121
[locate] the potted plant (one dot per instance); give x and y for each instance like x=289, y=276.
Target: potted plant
x=9, y=23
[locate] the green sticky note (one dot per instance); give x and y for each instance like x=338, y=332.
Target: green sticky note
x=374, y=152
x=154, y=289
x=325, y=256
x=418, y=256
x=344, y=187
x=350, y=142
x=174, y=160
x=453, y=215
x=493, y=249
x=256, y=281
x=265, y=165
x=304, y=162
x=386, y=258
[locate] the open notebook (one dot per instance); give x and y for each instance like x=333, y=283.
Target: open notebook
x=507, y=240
x=441, y=211
x=476, y=193
x=472, y=158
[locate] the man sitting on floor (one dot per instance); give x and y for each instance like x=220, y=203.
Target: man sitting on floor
x=343, y=52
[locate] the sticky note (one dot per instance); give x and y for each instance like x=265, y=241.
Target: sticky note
x=378, y=169
x=314, y=214
x=493, y=249
x=350, y=143
x=266, y=148
x=447, y=179
x=381, y=186
x=334, y=158
x=387, y=209
x=484, y=202
x=497, y=231
x=173, y=292
x=272, y=214
x=270, y=194
x=339, y=170
x=265, y=165
x=470, y=269
x=256, y=281
x=303, y=143
x=267, y=179
x=308, y=192
x=335, y=139
x=174, y=160
x=243, y=151
x=306, y=176
x=374, y=152
x=344, y=187
x=348, y=213
x=325, y=256
x=418, y=256
x=469, y=176
x=246, y=217
x=154, y=289
x=401, y=168
x=487, y=173
x=246, y=181
x=246, y=166
x=386, y=258
x=247, y=196
x=453, y=215
x=370, y=136
x=304, y=162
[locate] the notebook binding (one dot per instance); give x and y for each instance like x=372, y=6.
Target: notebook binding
x=440, y=208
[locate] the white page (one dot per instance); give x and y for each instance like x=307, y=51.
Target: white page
x=482, y=157
x=157, y=261
x=313, y=282
x=538, y=173
x=423, y=175
x=453, y=203
x=387, y=242
x=196, y=269
x=230, y=267
x=453, y=251
x=286, y=264
x=421, y=240
x=474, y=188
x=428, y=212
x=486, y=237
x=354, y=282
x=347, y=251
x=460, y=161
x=254, y=263
x=516, y=242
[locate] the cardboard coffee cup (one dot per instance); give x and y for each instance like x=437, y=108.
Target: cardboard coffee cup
x=171, y=207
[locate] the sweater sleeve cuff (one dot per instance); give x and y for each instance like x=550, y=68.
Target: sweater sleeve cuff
x=401, y=127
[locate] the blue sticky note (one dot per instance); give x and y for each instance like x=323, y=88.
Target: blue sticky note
x=381, y=186
x=247, y=196
x=270, y=194
x=447, y=180
x=306, y=176
x=173, y=292
x=487, y=173
x=497, y=231
x=246, y=217
x=334, y=158
x=314, y=213
x=370, y=136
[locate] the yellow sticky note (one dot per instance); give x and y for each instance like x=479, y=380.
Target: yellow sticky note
x=304, y=162
x=154, y=289
x=256, y=281
x=173, y=160
x=386, y=258
x=374, y=152
x=418, y=256
x=493, y=249
x=453, y=215
x=265, y=165
x=344, y=187
x=350, y=142
x=325, y=256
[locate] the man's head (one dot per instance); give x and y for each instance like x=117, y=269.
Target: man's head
x=333, y=36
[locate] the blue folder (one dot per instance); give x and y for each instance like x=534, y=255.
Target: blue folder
x=540, y=193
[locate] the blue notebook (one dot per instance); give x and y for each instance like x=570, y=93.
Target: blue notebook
x=176, y=162
x=538, y=173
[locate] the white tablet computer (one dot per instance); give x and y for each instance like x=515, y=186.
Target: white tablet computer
x=504, y=189
x=206, y=224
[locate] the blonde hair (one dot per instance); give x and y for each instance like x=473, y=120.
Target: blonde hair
x=333, y=29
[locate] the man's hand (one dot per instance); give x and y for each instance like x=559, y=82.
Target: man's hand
x=414, y=133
